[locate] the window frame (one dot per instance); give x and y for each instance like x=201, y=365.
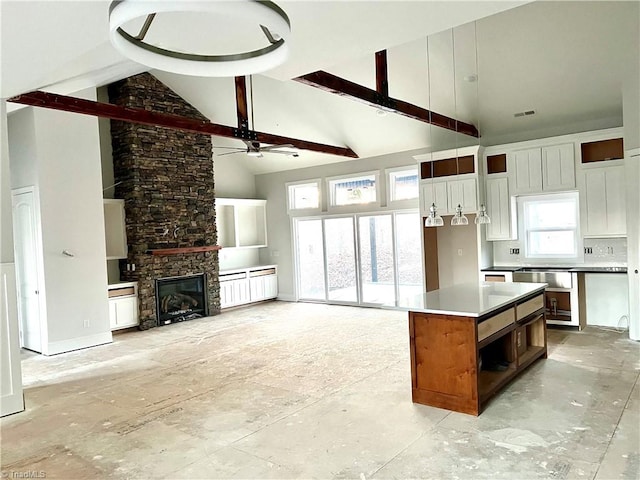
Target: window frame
x=303, y=211
x=525, y=229
x=331, y=205
x=389, y=174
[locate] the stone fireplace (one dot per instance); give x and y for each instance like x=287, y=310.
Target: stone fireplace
x=166, y=179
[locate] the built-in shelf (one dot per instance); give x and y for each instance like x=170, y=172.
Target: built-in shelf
x=241, y=222
x=602, y=150
x=497, y=163
x=177, y=251
x=447, y=167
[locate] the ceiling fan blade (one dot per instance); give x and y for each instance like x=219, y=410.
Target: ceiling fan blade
x=240, y=149
x=276, y=147
x=284, y=152
x=230, y=153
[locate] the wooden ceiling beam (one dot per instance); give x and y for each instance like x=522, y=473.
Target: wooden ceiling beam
x=241, y=103
x=382, y=78
x=176, y=122
x=345, y=88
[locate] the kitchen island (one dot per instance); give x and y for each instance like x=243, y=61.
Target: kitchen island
x=468, y=341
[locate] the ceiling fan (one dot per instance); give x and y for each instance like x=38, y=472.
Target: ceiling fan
x=255, y=149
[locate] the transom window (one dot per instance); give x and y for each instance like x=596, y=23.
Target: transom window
x=403, y=184
x=550, y=225
x=353, y=190
x=304, y=196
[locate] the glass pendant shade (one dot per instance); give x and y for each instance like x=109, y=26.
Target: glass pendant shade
x=482, y=218
x=459, y=218
x=433, y=220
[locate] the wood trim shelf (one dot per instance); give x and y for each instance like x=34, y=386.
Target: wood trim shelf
x=177, y=251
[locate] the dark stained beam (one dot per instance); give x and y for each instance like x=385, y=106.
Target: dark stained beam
x=241, y=102
x=176, y=122
x=333, y=84
x=382, y=78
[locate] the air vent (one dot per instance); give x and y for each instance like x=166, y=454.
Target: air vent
x=524, y=114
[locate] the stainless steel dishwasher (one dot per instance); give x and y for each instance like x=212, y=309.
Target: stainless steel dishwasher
x=561, y=296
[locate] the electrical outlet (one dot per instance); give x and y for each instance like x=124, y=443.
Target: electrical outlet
x=610, y=250
x=87, y=324
x=514, y=251
x=588, y=250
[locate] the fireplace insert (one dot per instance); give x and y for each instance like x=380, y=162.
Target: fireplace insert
x=181, y=298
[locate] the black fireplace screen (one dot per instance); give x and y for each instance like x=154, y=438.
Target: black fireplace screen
x=181, y=298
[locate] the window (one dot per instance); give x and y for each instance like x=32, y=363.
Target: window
x=550, y=225
x=353, y=190
x=403, y=183
x=303, y=196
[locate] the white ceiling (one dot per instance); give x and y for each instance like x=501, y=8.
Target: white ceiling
x=565, y=60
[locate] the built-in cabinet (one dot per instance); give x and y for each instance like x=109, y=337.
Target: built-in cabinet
x=241, y=222
x=123, y=305
x=500, y=208
x=603, y=210
x=543, y=169
x=448, y=194
x=248, y=285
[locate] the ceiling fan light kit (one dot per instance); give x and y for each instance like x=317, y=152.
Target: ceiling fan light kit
x=266, y=15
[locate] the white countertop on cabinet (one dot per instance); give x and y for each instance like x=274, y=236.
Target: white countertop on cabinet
x=111, y=286
x=244, y=269
x=469, y=299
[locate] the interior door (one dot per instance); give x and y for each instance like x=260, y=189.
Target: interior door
x=26, y=253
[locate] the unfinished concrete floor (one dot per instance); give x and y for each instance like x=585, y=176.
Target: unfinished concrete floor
x=285, y=390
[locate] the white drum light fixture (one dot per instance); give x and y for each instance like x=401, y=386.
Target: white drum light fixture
x=266, y=15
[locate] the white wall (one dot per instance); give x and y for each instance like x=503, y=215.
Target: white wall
x=11, y=399
x=66, y=158
x=232, y=178
x=272, y=188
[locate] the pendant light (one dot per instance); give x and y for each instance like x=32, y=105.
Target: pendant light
x=433, y=220
x=481, y=217
x=459, y=218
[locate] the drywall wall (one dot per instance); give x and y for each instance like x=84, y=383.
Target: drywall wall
x=631, y=83
x=233, y=179
x=59, y=153
x=11, y=399
x=457, y=253
x=272, y=187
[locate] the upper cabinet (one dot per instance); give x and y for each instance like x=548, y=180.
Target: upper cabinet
x=114, y=229
x=603, y=202
x=449, y=179
x=241, y=222
x=543, y=169
x=501, y=209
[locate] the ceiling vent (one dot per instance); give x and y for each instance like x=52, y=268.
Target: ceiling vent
x=524, y=114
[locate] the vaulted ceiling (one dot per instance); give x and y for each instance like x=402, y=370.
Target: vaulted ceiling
x=565, y=60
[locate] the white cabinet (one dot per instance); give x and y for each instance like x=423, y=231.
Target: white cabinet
x=603, y=202
x=549, y=168
x=114, y=229
x=558, y=167
x=123, y=305
x=500, y=209
x=447, y=194
x=242, y=286
x=526, y=169
x=241, y=222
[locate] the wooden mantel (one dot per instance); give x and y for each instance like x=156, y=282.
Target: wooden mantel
x=177, y=251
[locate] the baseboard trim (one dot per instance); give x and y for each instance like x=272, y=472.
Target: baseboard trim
x=63, y=346
x=287, y=297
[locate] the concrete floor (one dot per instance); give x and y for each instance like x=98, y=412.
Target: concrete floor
x=285, y=390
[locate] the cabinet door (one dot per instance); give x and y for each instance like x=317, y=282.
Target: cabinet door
x=527, y=170
x=234, y=292
x=123, y=312
x=264, y=287
x=604, y=201
x=435, y=192
x=498, y=209
x=616, y=202
x=462, y=192
x=558, y=167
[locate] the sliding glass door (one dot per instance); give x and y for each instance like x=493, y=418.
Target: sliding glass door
x=359, y=259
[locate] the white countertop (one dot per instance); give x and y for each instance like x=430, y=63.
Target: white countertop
x=244, y=269
x=469, y=299
x=111, y=286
